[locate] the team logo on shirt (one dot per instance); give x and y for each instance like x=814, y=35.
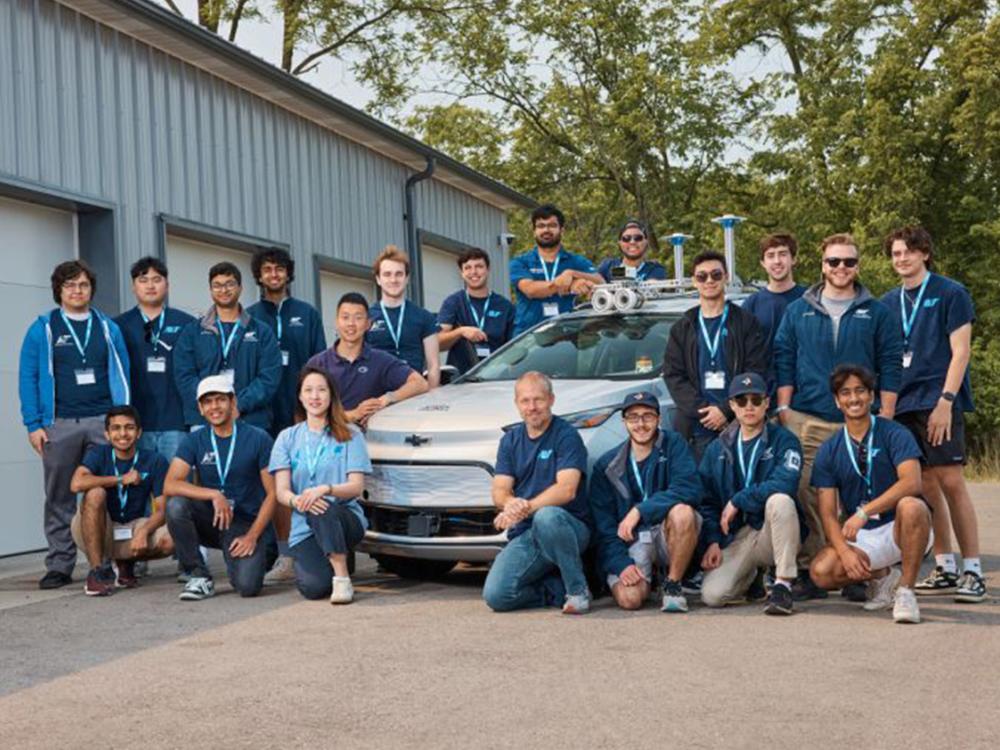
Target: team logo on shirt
x=767, y=455
x=64, y=340
x=250, y=336
x=363, y=369
x=863, y=312
x=931, y=302
x=378, y=325
x=547, y=453
x=208, y=458
x=296, y=321
x=494, y=313
x=793, y=460
x=171, y=329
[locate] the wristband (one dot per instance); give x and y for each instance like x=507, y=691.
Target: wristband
x=948, y=396
x=784, y=407
x=860, y=513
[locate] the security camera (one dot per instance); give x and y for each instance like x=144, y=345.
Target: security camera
x=506, y=239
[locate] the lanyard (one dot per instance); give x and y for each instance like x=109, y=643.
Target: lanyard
x=909, y=320
x=480, y=323
x=223, y=469
x=713, y=344
x=545, y=267
x=313, y=456
x=227, y=344
x=747, y=475
x=280, y=305
x=122, y=491
x=396, y=334
x=82, y=348
x=154, y=338
x=638, y=476
x=867, y=477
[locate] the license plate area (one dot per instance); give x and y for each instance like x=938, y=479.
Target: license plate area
x=423, y=525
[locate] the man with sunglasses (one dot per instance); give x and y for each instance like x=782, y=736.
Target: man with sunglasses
x=870, y=470
x=836, y=321
x=710, y=344
x=644, y=496
x=633, y=243
x=751, y=475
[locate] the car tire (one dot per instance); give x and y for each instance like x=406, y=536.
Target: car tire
x=410, y=567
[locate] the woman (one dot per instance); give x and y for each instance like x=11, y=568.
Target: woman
x=319, y=466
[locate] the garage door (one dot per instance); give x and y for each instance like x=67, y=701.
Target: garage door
x=188, y=262
x=39, y=238
x=333, y=286
x=441, y=276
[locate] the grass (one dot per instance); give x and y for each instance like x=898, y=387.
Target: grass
x=984, y=459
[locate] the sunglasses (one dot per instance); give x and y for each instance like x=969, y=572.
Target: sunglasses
x=632, y=238
x=756, y=399
x=702, y=276
x=834, y=262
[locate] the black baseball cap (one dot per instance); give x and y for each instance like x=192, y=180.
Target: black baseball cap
x=641, y=398
x=747, y=382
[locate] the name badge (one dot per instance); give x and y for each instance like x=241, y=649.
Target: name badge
x=550, y=309
x=231, y=374
x=85, y=377
x=156, y=364
x=715, y=380
x=284, y=358
x=646, y=537
x=630, y=272
x=123, y=533
x=907, y=359
x=482, y=351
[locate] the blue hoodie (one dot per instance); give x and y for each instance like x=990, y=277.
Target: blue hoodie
x=36, y=382
x=805, y=355
x=674, y=480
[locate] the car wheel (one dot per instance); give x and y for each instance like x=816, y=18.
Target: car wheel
x=409, y=567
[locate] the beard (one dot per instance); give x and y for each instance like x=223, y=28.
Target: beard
x=549, y=244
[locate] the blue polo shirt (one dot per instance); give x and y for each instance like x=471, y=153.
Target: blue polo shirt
x=707, y=363
x=649, y=270
x=373, y=374
x=417, y=325
x=82, y=385
x=769, y=308
x=530, y=266
x=892, y=445
x=534, y=463
x=496, y=313
x=100, y=460
x=243, y=486
x=318, y=458
x=150, y=347
x=945, y=307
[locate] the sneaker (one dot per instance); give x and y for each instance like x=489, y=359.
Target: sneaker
x=127, y=578
x=881, y=590
x=577, y=604
x=183, y=576
x=98, y=583
x=779, y=601
x=343, y=591
x=692, y=584
x=198, y=588
x=141, y=568
x=805, y=588
x=940, y=581
x=54, y=580
x=759, y=586
x=673, y=597
x=283, y=571
x=904, y=608
x=855, y=592
x=971, y=588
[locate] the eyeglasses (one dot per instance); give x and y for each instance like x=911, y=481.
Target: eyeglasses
x=637, y=419
x=716, y=275
x=834, y=262
x=755, y=398
x=228, y=286
x=632, y=238
x=82, y=286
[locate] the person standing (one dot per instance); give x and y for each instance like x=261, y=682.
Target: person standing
x=73, y=368
x=633, y=244
x=777, y=257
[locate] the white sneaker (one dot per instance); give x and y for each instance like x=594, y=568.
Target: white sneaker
x=198, y=588
x=905, y=608
x=283, y=571
x=343, y=591
x=880, y=590
x=577, y=604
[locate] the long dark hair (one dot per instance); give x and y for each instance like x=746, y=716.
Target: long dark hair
x=336, y=419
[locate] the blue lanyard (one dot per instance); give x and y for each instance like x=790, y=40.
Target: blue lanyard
x=313, y=456
x=396, y=334
x=638, y=476
x=82, y=348
x=545, y=266
x=223, y=469
x=154, y=338
x=122, y=491
x=280, y=305
x=480, y=324
x=713, y=344
x=227, y=344
x=909, y=320
x=747, y=476
x=867, y=477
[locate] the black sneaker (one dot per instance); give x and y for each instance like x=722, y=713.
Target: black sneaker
x=855, y=592
x=971, y=588
x=692, y=584
x=779, y=601
x=54, y=580
x=940, y=581
x=758, y=587
x=804, y=588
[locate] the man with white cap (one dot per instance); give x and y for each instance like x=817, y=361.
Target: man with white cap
x=232, y=505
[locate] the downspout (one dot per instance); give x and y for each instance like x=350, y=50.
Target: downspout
x=410, y=220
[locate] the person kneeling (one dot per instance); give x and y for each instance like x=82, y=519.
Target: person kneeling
x=750, y=474
x=231, y=506
x=319, y=467
x=874, y=466
x=114, y=526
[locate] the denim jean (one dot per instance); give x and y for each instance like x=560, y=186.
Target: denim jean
x=336, y=531
x=550, y=547
x=165, y=443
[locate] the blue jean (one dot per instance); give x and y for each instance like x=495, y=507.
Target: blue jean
x=165, y=443
x=550, y=547
x=337, y=531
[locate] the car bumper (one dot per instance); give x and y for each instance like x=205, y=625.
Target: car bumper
x=466, y=549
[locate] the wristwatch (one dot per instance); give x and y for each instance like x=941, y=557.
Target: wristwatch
x=860, y=513
x=948, y=396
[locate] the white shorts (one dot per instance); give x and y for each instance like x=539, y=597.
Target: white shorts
x=880, y=545
x=652, y=555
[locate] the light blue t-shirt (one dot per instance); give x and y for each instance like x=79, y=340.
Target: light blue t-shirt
x=296, y=448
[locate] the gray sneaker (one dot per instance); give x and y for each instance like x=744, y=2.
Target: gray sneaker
x=904, y=607
x=673, y=597
x=882, y=590
x=198, y=588
x=283, y=571
x=577, y=604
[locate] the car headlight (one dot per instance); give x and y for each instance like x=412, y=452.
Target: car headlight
x=584, y=420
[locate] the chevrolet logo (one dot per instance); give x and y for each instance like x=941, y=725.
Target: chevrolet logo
x=416, y=440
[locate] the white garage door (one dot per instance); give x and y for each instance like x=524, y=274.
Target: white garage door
x=188, y=262
x=441, y=276
x=34, y=239
x=333, y=286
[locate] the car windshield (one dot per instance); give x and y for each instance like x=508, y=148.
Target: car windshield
x=613, y=346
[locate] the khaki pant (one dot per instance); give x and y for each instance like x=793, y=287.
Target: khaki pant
x=812, y=432
x=777, y=543
x=120, y=550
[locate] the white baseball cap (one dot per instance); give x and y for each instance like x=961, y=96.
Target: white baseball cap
x=215, y=384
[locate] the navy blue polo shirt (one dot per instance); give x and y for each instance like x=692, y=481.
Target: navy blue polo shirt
x=82, y=385
x=151, y=352
x=243, y=486
x=534, y=463
x=495, y=312
x=946, y=306
x=706, y=363
x=417, y=325
x=892, y=445
x=530, y=266
x=649, y=270
x=100, y=460
x=373, y=374
x=769, y=308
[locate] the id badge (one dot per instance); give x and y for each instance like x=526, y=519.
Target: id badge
x=907, y=359
x=630, y=272
x=123, y=533
x=85, y=377
x=715, y=380
x=231, y=374
x=482, y=352
x=156, y=364
x=284, y=358
x=550, y=309
x=646, y=536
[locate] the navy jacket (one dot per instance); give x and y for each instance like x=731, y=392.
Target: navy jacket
x=254, y=358
x=779, y=466
x=674, y=480
x=805, y=355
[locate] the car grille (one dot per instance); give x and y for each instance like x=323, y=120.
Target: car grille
x=430, y=523
x=429, y=485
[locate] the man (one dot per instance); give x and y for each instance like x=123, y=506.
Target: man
x=871, y=469
x=539, y=488
x=151, y=330
x=368, y=379
x=232, y=505
x=777, y=257
x=633, y=243
x=750, y=474
x=644, y=496
x=227, y=341
x=120, y=481
x=935, y=316
x=475, y=321
x=404, y=329
x=548, y=278
x=709, y=345
x=73, y=367
x=836, y=321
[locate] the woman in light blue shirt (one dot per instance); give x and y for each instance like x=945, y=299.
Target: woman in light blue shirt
x=319, y=466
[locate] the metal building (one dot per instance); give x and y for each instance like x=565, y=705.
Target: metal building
x=126, y=131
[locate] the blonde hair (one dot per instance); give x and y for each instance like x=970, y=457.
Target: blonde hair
x=839, y=239
x=391, y=252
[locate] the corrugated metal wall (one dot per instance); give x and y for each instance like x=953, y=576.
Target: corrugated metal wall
x=86, y=109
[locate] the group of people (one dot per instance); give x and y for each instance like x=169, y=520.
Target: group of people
x=241, y=430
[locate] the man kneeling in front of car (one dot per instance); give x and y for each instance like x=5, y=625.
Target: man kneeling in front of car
x=643, y=496
x=540, y=490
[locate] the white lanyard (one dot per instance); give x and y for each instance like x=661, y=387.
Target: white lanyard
x=223, y=469
x=867, y=476
x=545, y=267
x=396, y=334
x=710, y=343
x=122, y=491
x=909, y=320
x=154, y=338
x=227, y=344
x=480, y=323
x=82, y=348
x=747, y=476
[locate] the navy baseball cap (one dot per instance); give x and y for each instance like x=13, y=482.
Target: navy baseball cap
x=747, y=382
x=641, y=398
